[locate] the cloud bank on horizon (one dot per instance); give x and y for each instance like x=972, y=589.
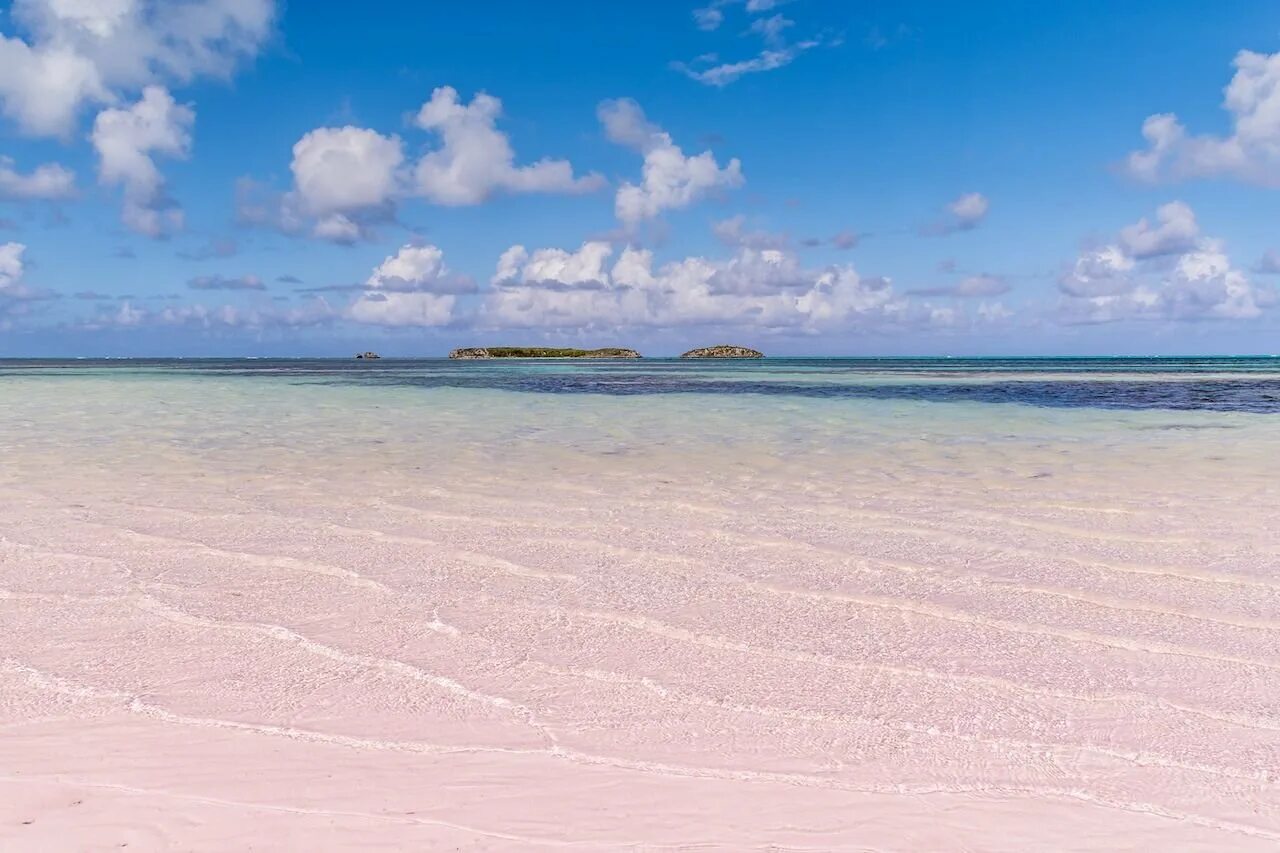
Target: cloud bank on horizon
x=756, y=190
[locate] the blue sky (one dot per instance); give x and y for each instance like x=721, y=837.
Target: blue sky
x=243, y=177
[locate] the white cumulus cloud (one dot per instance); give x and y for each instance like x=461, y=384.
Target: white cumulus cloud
x=11, y=266
x=1175, y=231
x=214, y=318
x=962, y=214
x=68, y=55
x=410, y=288
x=125, y=139
x=47, y=181
x=340, y=169
x=1098, y=272
x=42, y=88
x=758, y=289
x=1165, y=271
x=344, y=178
x=968, y=211
x=378, y=308
x=669, y=179
x=348, y=179
x=16, y=297
x=417, y=268
x=78, y=52
x=475, y=159
x=555, y=268
x=1250, y=152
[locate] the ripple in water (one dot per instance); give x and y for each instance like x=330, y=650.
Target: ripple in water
x=1185, y=384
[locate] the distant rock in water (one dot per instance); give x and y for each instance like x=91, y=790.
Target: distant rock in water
x=367, y=355
x=723, y=351
x=542, y=352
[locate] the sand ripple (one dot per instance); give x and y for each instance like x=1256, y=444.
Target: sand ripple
x=1041, y=642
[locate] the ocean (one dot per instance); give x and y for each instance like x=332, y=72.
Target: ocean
x=1244, y=384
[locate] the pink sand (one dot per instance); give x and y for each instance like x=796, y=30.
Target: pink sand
x=971, y=647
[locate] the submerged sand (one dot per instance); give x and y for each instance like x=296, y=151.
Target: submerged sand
x=236, y=618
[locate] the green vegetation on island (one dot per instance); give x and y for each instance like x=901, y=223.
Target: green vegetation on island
x=723, y=351
x=542, y=352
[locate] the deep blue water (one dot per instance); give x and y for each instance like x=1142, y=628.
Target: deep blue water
x=1180, y=384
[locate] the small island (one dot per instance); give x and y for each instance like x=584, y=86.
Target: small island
x=367, y=355
x=723, y=351
x=542, y=352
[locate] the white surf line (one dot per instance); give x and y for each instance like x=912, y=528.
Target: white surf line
x=958, y=497
x=273, y=561
x=280, y=561
x=441, y=627
x=1125, y=568
x=135, y=704
x=948, y=614
x=1140, y=758
x=257, y=513
x=1009, y=550
x=524, y=714
x=916, y=790
x=518, y=570
x=138, y=706
x=384, y=817
x=475, y=558
x=436, y=624
x=60, y=597
x=55, y=684
x=714, y=641
x=396, y=818
x=1002, y=548
x=59, y=554
x=1022, y=501
x=900, y=516
x=1005, y=582
x=996, y=582
x=946, y=531
x=1069, y=531
x=998, y=624
x=996, y=519
x=1235, y=720
x=823, y=594
x=995, y=683
x=493, y=521
x=558, y=510
x=667, y=504
x=490, y=561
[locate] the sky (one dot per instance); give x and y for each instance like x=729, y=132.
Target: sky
x=256, y=178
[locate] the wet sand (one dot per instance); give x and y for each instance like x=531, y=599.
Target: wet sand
x=238, y=618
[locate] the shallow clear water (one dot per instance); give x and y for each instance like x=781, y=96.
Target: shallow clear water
x=836, y=413
x=1024, y=600
x=1183, y=384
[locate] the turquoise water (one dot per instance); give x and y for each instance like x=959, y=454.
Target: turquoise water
x=1172, y=384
